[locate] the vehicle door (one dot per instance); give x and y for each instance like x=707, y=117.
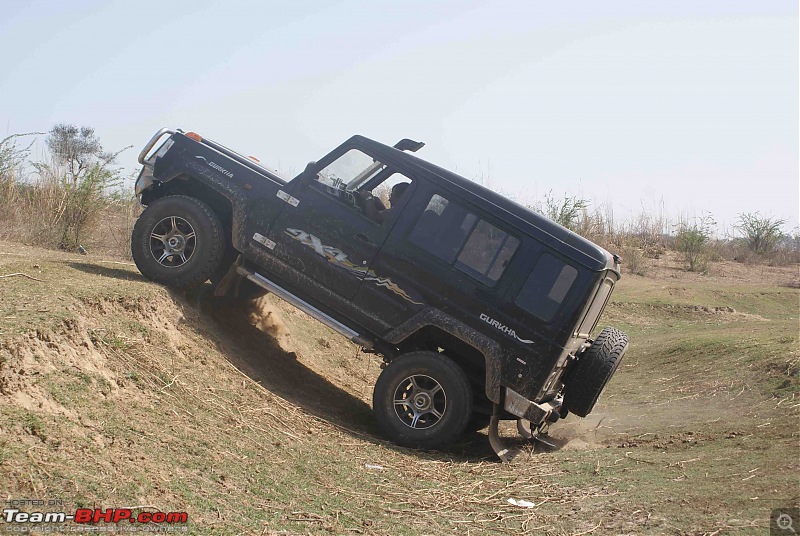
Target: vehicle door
x=444, y=253
x=326, y=231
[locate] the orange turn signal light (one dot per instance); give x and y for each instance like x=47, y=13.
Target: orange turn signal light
x=194, y=136
x=251, y=157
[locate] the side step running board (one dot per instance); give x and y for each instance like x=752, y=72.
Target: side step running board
x=304, y=306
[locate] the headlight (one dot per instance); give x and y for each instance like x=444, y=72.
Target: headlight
x=144, y=181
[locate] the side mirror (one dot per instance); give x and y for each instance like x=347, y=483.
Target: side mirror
x=308, y=175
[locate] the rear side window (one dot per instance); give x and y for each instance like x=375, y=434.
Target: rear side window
x=546, y=286
x=453, y=234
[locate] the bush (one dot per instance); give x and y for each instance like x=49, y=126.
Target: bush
x=12, y=161
x=567, y=212
x=81, y=203
x=60, y=202
x=650, y=232
x=761, y=233
x=11, y=156
x=692, y=241
x=633, y=261
x=692, y=244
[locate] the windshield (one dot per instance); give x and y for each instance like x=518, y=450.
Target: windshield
x=350, y=171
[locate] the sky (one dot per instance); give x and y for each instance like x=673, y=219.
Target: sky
x=686, y=107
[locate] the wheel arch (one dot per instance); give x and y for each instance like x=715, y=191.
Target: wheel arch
x=433, y=330
x=190, y=186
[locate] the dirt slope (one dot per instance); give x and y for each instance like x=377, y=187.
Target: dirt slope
x=117, y=392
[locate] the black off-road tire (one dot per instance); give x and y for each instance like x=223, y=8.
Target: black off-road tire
x=208, y=241
x=430, y=432
x=478, y=421
x=593, y=371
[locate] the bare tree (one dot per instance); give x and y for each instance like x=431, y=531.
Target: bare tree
x=78, y=149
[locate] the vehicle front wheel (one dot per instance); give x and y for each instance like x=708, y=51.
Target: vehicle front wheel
x=178, y=241
x=422, y=400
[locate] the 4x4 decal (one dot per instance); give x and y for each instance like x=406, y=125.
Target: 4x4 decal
x=387, y=283
x=338, y=257
x=505, y=329
x=334, y=255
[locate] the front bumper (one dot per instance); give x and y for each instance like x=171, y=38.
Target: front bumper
x=144, y=181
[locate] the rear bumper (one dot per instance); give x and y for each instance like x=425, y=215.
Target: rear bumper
x=518, y=405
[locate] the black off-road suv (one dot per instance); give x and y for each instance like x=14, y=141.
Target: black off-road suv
x=482, y=309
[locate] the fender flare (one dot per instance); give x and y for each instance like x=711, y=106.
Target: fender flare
x=435, y=318
x=210, y=180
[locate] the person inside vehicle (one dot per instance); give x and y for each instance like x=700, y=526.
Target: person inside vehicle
x=373, y=204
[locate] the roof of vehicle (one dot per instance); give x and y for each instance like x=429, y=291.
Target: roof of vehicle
x=526, y=220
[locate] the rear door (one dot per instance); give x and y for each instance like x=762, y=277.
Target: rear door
x=443, y=253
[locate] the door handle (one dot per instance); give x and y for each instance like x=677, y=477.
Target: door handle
x=364, y=238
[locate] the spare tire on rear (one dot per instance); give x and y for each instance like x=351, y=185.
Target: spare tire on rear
x=594, y=368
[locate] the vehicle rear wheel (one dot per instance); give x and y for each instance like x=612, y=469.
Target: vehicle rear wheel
x=178, y=241
x=478, y=421
x=422, y=400
x=593, y=371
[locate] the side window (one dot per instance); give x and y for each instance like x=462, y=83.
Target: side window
x=363, y=183
x=453, y=234
x=442, y=228
x=487, y=252
x=546, y=286
x=387, y=192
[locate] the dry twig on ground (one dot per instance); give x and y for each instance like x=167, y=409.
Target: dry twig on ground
x=22, y=275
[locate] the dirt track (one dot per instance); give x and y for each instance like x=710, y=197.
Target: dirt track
x=260, y=417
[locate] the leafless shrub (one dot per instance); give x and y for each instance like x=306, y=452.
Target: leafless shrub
x=649, y=231
x=761, y=233
x=597, y=225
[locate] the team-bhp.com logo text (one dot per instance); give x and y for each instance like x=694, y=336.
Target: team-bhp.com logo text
x=93, y=516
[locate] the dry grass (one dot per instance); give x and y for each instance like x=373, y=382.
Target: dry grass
x=256, y=420
x=43, y=213
x=42, y=204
